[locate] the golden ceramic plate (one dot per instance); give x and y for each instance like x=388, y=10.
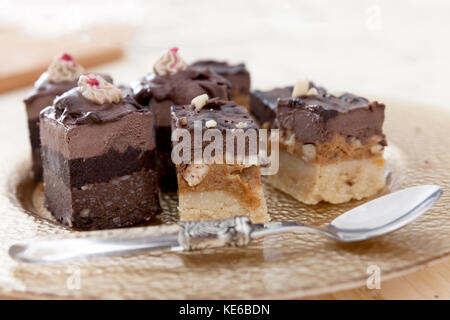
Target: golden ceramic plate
x=279, y=266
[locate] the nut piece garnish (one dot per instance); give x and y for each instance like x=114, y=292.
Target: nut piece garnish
x=200, y=101
x=312, y=92
x=301, y=88
x=356, y=143
x=195, y=173
x=211, y=123
x=242, y=125
x=308, y=152
x=183, y=121
x=376, y=149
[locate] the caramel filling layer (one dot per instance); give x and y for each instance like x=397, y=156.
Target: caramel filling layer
x=337, y=149
x=240, y=181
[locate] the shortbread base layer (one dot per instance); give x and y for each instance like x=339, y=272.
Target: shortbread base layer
x=336, y=182
x=219, y=191
x=208, y=205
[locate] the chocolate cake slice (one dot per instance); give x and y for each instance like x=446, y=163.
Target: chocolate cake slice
x=172, y=83
x=331, y=147
x=238, y=76
x=62, y=75
x=98, y=155
x=213, y=188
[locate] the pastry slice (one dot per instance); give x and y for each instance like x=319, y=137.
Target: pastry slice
x=98, y=155
x=331, y=146
x=210, y=188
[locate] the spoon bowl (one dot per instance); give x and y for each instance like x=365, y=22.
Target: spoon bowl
x=384, y=214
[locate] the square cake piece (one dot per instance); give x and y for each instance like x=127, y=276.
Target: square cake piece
x=238, y=76
x=98, y=155
x=331, y=147
x=172, y=83
x=62, y=75
x=217, y=189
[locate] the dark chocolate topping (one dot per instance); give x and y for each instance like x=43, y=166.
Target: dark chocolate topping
x=221, y=67
x=181, y=87
x=315, y=119
x=264, y=103
x=227, y=115
x=44, y=87
x=74, y=109
x=270, y=98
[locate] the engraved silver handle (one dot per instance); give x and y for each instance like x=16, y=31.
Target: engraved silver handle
x=232, y=232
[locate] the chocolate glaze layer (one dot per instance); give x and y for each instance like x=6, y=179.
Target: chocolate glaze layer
x=72, y=108
x=226, y=114
x=162, y=92
x=264, y=103
x=237, y=74
x=315, y=119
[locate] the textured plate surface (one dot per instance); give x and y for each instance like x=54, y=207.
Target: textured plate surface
x=280, y=266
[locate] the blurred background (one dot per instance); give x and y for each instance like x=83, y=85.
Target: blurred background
x=380, y=48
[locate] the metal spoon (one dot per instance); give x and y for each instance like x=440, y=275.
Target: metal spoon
x=369, y=220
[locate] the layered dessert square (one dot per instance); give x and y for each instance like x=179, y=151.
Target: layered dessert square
x=62, y=75
x=331, y=146
x=213, y=188
x=173, y=83
x=238, y=76
x=98, y=156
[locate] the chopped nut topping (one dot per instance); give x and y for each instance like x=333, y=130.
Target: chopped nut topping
x=211, y=123
x=200, y=101
x=376, y=149
x=195, y=173
x=301, y=88
x=356, y=143
x=242, y=125
x=183, y=121
x=308, y=152
x=312, y=92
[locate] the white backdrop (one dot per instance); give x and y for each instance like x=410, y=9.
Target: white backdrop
x=382, y=48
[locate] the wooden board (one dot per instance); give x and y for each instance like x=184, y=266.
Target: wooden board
x=432, y=283
x=26, y=56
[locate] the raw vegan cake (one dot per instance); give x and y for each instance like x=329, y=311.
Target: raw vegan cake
x=331, y=146
x=98, y=155
x=212, y=189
